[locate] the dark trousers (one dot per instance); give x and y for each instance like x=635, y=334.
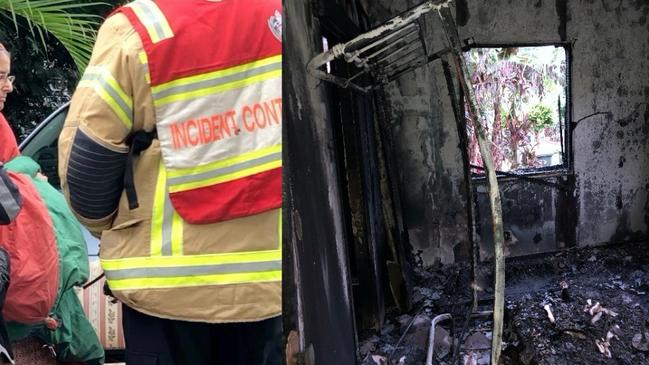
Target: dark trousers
x=157, y=341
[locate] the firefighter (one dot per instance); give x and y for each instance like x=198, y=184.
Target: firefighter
x=156, y=159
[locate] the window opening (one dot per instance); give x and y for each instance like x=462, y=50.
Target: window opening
x=522, y=92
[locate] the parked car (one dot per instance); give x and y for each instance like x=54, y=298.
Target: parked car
x=104, y=315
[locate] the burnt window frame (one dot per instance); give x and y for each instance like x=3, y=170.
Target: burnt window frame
x=567, y=165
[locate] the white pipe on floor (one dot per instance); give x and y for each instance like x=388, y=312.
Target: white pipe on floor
x=431, y=337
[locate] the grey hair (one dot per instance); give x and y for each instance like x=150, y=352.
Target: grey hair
x=3, y=49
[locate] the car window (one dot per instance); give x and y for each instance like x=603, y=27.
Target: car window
x=42, y=145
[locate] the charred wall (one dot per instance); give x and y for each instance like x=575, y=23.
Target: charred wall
x=607, y=198
x=317, y=284
x=603, y=199
x=430, y=172
x=611, y=149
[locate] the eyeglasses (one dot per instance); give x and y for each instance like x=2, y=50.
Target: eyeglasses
x=7, y=78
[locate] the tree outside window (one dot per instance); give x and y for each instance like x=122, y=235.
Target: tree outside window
x=522, y=93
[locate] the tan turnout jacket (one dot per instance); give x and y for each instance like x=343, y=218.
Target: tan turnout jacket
x=128, y=233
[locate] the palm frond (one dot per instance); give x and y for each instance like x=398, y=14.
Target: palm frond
x=66, y=20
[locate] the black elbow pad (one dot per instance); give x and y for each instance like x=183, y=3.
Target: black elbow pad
x=95, y=177
x=10, y=200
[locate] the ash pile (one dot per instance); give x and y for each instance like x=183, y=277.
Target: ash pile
x=579, y=306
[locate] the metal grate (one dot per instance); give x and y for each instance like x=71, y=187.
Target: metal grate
x=380, y=55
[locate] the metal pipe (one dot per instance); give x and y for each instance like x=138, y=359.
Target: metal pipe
x=433, y=324
x=411, y=63
x=494, y=193
x=431, y=337
x=396, y=33
x=342, y=82
x=402, y=52
x=401, y=20
x=401, y=45
x=390, y=45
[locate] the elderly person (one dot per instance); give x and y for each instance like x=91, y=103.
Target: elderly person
x=28, y=350
x=42, y=253
x=10, y=200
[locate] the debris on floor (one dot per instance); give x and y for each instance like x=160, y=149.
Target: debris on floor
x=579, y=306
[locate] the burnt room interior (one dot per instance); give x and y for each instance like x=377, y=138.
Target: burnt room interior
x=404, y=243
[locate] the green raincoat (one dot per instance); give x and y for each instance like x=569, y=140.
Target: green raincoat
x=74, y=339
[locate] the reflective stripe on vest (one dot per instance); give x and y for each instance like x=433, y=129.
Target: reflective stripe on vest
x=168, y=266
x=152, y=19
x=244, y=165
x=192, y=87
x=106, y=86
x=218, y=108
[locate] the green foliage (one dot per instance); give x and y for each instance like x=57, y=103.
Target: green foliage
x=66, y=20
x=507, y=82
x=50, y=42
x=42, y=83
x=541, y=117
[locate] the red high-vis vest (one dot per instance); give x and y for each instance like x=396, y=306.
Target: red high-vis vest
x=218, y=104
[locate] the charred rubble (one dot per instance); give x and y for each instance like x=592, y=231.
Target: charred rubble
x=383, y=159
x=598, y=299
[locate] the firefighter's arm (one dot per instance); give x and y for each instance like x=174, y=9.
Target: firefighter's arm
x=92, y=146
x=10, y=201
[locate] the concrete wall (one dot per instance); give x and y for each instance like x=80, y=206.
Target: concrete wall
x=609, y=199
x=611, y=75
